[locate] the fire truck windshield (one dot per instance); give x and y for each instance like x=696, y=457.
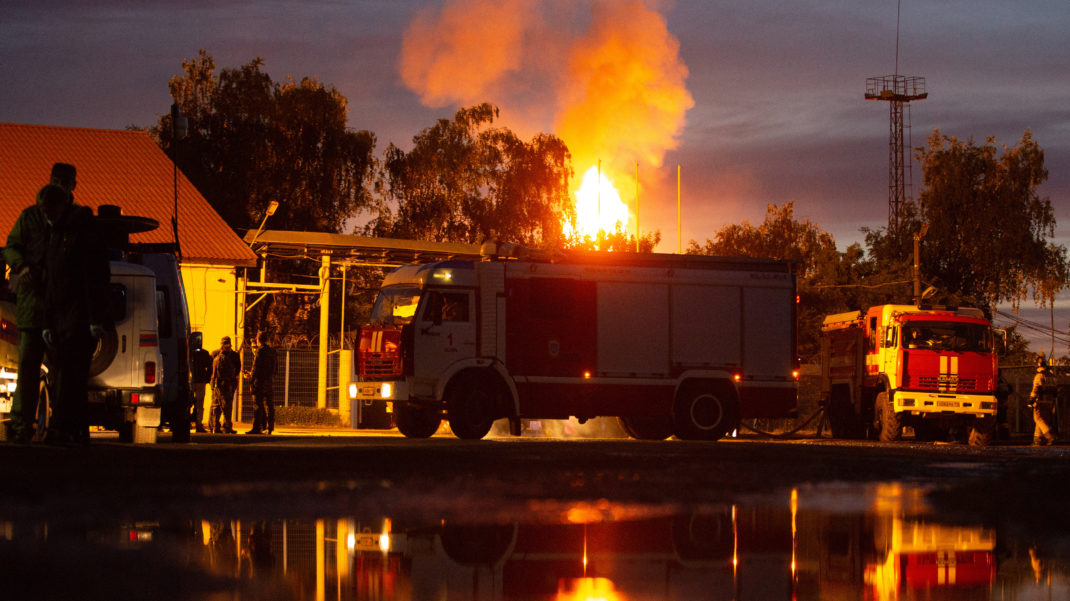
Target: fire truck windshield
x=395, y=305
x=940, y=336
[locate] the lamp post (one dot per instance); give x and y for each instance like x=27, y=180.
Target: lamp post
x=179, y=129
x=272, y=206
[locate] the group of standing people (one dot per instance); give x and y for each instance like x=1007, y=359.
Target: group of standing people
x=221, y=369
x=60, y=275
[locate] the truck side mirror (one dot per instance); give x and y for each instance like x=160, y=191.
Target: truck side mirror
x=1000, y=339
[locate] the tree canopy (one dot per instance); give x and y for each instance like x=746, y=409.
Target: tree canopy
x=252, y=141
x=467, y=181
x=986, y=229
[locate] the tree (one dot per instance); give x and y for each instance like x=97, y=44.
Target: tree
x=466, y=181
x=829, y=281
x=252, y=141
x=988, y=230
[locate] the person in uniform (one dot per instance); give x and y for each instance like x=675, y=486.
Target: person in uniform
x=1042, y=400
x=76, y=313
x=226, y=365
x=200, y=361
x=265, y=363
x=25, y=255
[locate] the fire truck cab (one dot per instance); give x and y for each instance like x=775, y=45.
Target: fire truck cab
x=933, y=368
x=670, y=344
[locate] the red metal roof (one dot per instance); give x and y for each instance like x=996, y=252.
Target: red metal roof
x=124, y=168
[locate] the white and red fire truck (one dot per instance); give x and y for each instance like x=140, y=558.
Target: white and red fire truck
x=933, y=368
x=670, y=344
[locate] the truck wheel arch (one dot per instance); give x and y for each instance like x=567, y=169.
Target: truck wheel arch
x=510, y=407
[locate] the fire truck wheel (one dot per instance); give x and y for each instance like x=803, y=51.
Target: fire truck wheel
x=471, y=406
x=415, y=422
x=646, y=428
x=705, y=412
x=983, y=431
x=889, y=428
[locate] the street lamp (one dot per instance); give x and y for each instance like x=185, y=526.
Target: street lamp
x=272, y=206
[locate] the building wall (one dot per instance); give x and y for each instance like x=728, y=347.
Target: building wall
x=211, y=296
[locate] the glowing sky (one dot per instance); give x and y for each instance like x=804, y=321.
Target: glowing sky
x=777, y=86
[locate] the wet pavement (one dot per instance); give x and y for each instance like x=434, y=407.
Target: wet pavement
x=359, y=515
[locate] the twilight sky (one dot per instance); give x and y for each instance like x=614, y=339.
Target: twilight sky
x=759, y=102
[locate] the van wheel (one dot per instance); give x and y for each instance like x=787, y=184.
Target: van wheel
x=415, y=422
x=889, y=428
x=646, y=428
x=983, y=430
x=471, y=407
x=44, y=411
x=705, y=412
x=104, y=353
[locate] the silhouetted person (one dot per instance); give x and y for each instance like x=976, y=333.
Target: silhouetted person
x=226, y=366
x=76, y=310
x=200, y=363
x=265, y=364
x=25, y=255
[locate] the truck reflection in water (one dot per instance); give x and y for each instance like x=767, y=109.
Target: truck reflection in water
x=808, y=545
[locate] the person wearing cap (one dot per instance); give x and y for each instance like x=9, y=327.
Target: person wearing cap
x=265, y=364
x=1042, y=400
x=226, y=366
x=76, y=312
x=25, y=255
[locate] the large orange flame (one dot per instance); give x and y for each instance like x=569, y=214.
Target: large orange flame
x=598, y=206
x=620, y=98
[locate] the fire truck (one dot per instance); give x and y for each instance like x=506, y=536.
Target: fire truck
x=670, y=344
x=933, y=368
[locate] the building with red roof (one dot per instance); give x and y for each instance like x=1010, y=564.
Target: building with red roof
x=128, y=169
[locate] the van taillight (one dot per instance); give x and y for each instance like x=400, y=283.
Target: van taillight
x=150, y=372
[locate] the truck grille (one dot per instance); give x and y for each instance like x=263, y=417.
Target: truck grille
x=946, y=382
x=379, y=365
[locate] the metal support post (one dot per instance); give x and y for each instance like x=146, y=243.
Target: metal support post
x=325, y=312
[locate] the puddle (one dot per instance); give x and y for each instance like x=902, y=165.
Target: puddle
x=831, y=542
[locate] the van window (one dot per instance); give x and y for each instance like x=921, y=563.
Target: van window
x=117, y=302
x=163, y=312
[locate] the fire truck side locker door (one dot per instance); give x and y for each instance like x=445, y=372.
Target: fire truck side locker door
x=767, y=331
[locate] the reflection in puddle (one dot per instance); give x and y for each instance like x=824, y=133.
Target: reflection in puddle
x=880, y=543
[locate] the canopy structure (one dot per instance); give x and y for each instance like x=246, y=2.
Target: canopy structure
x=332, y=250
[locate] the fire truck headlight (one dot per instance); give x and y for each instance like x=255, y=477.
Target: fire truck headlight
x=388, y=391
x=987, y=405
x=352, y=390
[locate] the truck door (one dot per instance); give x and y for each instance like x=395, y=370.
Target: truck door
x=444, y=333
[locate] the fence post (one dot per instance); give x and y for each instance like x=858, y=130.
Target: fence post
x=345, y=409
x=286, y=381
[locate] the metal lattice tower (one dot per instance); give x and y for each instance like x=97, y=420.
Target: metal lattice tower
x=896, y=90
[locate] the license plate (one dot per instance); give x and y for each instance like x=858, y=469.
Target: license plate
x=947, y=403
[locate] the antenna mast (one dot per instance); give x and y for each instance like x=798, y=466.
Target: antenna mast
x=897, y=90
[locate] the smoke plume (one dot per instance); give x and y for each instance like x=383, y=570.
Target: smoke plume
x=604, y=76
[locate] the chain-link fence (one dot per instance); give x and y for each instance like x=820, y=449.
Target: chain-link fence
x=295, y=381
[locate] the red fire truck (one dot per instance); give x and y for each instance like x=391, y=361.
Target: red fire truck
x=932, y=368
x=670, y=344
